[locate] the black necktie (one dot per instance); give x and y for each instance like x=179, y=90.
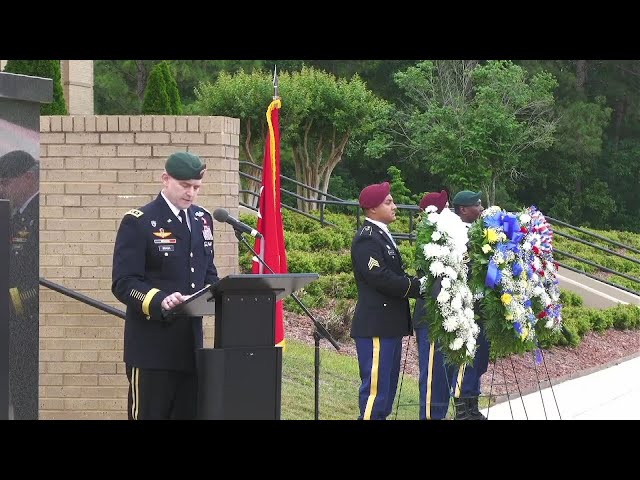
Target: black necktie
x=183, y=217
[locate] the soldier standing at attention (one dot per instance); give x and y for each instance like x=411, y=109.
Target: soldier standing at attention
x=163, y=254
x=382, y=314
x=468, y=206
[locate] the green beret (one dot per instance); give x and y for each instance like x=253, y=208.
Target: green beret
x=185, y=166
x=15, y=163
x=467, y=198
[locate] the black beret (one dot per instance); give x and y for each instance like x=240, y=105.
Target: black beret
x=15, y=163
x=185, y=166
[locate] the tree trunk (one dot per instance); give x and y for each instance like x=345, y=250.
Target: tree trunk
x=492, y=189
x=142, y=75
x=298, y=167
x=581, y=75
x=618, y=117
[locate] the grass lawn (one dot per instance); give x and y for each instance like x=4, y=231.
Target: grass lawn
x=339, y=383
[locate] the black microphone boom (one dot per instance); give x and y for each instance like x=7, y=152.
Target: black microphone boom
x=223, y=216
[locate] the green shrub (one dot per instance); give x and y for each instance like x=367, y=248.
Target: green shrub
x=626, y=317
x=172, y=88
x=570, y=299
x=156, y=99
x=296, y=241
x=600, y=319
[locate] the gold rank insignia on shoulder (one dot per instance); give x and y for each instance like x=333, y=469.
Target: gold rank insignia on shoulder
x=135, y=213
x=373, y=263
x=366, y=229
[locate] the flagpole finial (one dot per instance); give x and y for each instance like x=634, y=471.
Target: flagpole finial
x=275, y=83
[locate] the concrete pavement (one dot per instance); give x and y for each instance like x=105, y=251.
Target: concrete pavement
x=612, y=393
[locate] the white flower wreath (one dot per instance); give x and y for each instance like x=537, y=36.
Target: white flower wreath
x=441, y=250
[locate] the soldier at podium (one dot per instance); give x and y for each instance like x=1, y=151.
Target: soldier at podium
x=164, y=253
x=382, y=314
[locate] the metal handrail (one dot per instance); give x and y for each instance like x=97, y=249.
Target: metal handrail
x=412, y=209
x=590, y=275
x=83, y=298
x=593, y=245
x=600, y=237
x=284, y=177
x=599, y=267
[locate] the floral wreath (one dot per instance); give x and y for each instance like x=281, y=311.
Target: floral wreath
x=513, y=275
x=441, y=248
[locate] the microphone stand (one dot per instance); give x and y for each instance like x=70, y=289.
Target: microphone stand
x=319, y=331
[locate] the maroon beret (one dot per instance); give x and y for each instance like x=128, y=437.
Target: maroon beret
x=374, y=195
x=434, y=198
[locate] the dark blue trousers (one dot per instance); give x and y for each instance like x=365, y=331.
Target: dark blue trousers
x=379, y=363
x=472, y=373
x=435, y=380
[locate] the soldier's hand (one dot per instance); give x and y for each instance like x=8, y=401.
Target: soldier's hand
x=173, y=300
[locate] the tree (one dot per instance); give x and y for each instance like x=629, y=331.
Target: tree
x=476, y=124
x=320, y=116
x=156, y=98
x=172, y=88
x=399, y=191
x=45, y=69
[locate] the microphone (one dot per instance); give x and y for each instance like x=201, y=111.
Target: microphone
x=223, y=216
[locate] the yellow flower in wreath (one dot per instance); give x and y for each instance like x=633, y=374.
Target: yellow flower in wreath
x=491, y=235
x=506, y=298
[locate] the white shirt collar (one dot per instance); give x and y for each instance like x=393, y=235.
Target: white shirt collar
x=174, y=209
x=385, y=229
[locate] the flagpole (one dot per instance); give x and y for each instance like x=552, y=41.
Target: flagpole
x=275, y=83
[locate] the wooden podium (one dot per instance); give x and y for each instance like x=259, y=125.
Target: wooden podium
x=241, y=377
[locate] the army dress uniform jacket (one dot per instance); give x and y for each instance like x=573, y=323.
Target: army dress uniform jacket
x=154, y=256
x=384, y=288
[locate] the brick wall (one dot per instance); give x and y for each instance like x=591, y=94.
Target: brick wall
x=92, y=170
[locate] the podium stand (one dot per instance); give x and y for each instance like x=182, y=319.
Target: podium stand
x=240, y=378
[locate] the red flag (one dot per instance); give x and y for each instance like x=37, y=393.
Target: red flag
x=271, y=246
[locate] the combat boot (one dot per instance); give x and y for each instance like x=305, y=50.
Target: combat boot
x=473, y=410
x=461, y=409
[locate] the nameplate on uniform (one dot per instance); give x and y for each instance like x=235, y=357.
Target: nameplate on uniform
x=208, y=244
x=166, y=248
